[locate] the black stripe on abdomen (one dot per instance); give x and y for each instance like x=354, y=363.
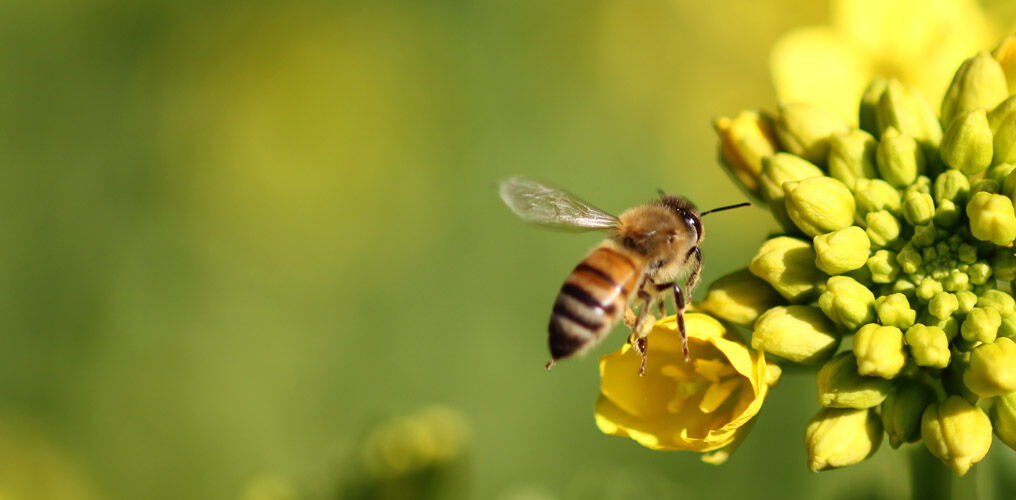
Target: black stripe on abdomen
x=576, y=292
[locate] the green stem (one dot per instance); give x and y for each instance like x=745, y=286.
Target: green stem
x=930, y=479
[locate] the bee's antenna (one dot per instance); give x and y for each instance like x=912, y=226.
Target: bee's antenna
x=728, y=207
x=661, y=191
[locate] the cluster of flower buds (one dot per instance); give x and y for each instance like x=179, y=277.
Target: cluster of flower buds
x=898, y=238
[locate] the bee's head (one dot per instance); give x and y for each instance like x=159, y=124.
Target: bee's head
x=686, y=211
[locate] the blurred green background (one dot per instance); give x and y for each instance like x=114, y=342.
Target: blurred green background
x=239, y=235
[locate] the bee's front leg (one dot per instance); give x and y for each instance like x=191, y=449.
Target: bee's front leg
x=640, y=329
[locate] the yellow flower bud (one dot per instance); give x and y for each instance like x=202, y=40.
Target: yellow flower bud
x=788, y=265
x=947, y=214
x=895, y=310
x=998, y=300
x=804, y=130
x=979, y=83
x=879, y=351
x=979, y=273
x=929, y=346
x=819, y=205
x=869, y=105
x=918, y=208
x=883, y=266
x=967, y=145
x=1004, y=140
x=902, y=411
x=1005, y=54
x=966, y=300
x=899, y=158
x=951, y=185
x=837, y=437
x=847, y=302
x=841, y=251
x=777, y=170
x=883, y=227
x=943, y=305
x=992, y=370
x=1003, y=419
x=840, y=386
x=956, y=432
x=739, y=297
x=799, y=333
x=981, y=325
x=876, y=194
x=852, y=156
x=1003, y=265
x=927, y=289
x=904, y=108
x=992, y=218
x=744, y=141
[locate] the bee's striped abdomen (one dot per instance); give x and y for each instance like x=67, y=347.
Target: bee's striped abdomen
x=592, y=299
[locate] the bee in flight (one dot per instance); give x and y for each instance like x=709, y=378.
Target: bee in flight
x=649, y=248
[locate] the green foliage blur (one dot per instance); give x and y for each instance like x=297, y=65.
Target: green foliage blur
x=240, y=237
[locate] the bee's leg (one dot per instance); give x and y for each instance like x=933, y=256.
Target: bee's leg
x=638, y=339
x=629, y=318
x=693, y=278
x=679, y=300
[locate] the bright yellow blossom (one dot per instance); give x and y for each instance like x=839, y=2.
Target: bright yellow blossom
x=919, y=42
x=698, y=405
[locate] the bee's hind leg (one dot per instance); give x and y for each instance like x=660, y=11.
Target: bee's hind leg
x=639, y=338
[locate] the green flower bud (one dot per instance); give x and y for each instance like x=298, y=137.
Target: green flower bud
x=904, y=286
x=852, y=156
x=966, y=300
x=841, y=251
x=894, y=310
x=992, y=218
x=788, y=265
x=798, y=333
x=928, y=288
x=967, y=145
x=819, y=205
x=951, y=185
x=744, y=141
x=979, y=83
x=804, y=130
x=899, y=158
x=952, y=376
x=740, y=297
x=979, y=273
x=918, y=208
x=840, y=386
x=879, y=350
x=909, y=259
x=924, y=235
x=883, y=266
x=1008, y=327
x=847, y=302
x=956, y=280
x=837, y=437
x=1000, y=113
x=1005, y=54
x=943, y=305
x=981, y=325
x=999, y=173
x=1009, y=183
x=778, y=169
x=1004, y=140
x=902, y=411
x=920, y=185
x=1003, y=264
x=992, y=370
x=873, y=195
x=947, y=214
x=1003, y=419
x=956, y=432
x=966, y=253
x=929, y=346
x=998, y=300
x=883, y=227
x=904, y=108
x=986, y=185
x=869, y=105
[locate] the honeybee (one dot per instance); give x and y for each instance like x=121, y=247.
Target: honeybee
x=649, y=248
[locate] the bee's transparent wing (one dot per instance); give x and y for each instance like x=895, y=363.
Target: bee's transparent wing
x=548, y=206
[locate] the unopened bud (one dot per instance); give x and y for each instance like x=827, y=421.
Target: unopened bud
x=869, y=105
x=744, y=141
x=740, y=297
x=981, y=325
x=951, y=185
x=1003, y=419
x=1003, y=264
x=788, y=265
x=979, y=83
x=992, y=218
x=895, y=310
x=852, y=156
x=918, y=208
x=1004, y=140
x=804, y=130
x=777, y=170
x=847, y=302
x=837, y=437
x=943, y=304
x=819, y=205
x=904, y=108
x=879, y=351
x=992, y=370
x=798, y=333
x=966, y=300
x=840, y=386
x=929, y=346
x=967, y=145
x=873, y=195
x=883, y=227
x=841, y=251
x=899, y=158
x=902, y=411
x=1005, y=54
x=956, y=432
x=883, y=266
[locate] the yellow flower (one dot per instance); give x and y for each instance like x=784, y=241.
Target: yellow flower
x=699, y=405
x=919, y=42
